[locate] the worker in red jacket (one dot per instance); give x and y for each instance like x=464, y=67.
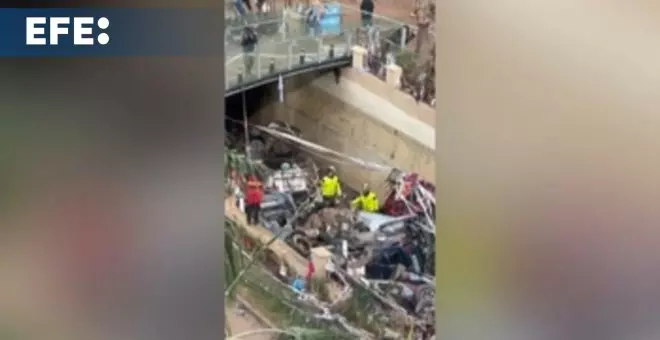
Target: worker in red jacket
x=253, y=197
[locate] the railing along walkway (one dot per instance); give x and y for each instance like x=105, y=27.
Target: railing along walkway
x=288, y=45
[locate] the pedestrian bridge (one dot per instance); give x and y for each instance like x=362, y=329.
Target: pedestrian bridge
x=288, y=46
x=365, y=116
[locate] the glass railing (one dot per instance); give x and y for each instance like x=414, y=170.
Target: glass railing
x=286, y=41
x=274, y=56
x=383, y=38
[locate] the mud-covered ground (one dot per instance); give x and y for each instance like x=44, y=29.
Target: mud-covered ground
x=240, y=321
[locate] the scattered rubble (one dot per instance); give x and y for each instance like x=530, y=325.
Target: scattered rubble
x=388, y=256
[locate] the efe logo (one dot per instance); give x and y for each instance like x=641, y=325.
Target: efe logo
x=82, y=30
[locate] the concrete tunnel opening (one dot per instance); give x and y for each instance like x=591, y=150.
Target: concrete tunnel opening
x=249, y=105
x=258, y=98
x=243, y=104
x=258, y=105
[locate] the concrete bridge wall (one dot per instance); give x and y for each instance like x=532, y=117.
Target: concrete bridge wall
x=361, y=116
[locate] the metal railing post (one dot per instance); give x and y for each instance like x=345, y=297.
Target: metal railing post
x=271, y=67
x=226, y=73
x=290, y=55
x=285, y=24
x=372, y=37
x=258, y=61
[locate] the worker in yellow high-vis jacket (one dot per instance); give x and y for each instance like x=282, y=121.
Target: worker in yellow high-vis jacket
x=330, y=187
x=366, y=201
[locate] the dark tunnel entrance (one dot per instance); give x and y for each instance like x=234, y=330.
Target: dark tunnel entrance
x=243, y=104
x=246, y=105
x=251, y=102
x=258, y=97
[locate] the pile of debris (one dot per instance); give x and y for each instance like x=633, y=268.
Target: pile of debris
x=389, y=254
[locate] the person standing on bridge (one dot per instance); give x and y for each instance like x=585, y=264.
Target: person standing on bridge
x=239, y=6
x=254, y=195
x=314, y=15
x=249, y=42
x=366, y=12
x=367, y=200
x=330, y=187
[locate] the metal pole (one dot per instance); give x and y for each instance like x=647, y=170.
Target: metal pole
x=284, y=27
x=258, y=56
x=404, y=35
x=245, y=127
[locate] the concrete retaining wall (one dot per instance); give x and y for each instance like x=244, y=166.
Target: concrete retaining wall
x=350, y=118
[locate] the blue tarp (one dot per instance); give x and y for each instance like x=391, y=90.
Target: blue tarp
x=298, y=285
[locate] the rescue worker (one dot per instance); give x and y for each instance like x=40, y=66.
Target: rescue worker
x=330, y=187
x=367, y=200
x=314, y=16
x=254, y=195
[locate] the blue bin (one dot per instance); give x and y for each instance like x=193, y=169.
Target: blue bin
x=331, y=21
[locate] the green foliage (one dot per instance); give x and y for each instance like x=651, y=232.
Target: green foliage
x=361, y=310
x=319, y=287
x=280, y=302
x=236, y=160
x=407, y=60
x=234, y=259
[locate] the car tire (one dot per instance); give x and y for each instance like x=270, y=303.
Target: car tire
x=301, y=244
